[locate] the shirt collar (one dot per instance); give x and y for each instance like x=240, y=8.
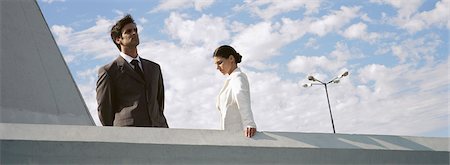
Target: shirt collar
x=129, y=58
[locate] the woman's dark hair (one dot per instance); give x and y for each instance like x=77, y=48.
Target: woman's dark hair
x=116, y=30
x=226, y=51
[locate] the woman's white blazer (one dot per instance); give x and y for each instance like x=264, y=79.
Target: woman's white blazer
x=233, y=102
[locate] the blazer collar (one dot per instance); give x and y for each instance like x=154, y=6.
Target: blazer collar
x=129, y=58
x=234, y=73
x=126, y=68
x=231, y=76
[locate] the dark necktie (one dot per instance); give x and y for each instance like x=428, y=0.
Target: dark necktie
x=135, y=63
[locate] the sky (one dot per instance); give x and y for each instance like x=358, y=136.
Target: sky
x=396, y=53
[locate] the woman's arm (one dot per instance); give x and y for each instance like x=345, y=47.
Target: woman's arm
x=241, y=94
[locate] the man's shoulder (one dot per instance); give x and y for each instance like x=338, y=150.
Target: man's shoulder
x=110, y=67
x=149, y=62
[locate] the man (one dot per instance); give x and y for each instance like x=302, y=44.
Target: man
x=130, y=90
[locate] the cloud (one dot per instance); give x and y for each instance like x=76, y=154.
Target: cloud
x=69, y=58
x=204, y=30
x=408, y=99
x=415, y=50
x=262, y=41
x=51, y=1
x=334, y=21
x=94, y=41
x=410, y=19
x=306, y=64
x=405, y=7
x=312, y=43
x=167, y=5
x=62, y=33
x=258, y=42
x=335, y=61
x=87, y=85
x=438, y=16
x=142, y=20
x=359, y=31
x=269, y=8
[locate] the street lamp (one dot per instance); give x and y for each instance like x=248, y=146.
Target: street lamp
x=335, y=80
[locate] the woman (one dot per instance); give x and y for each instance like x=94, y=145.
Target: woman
x=233, y=101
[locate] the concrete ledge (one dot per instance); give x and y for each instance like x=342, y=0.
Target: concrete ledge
x=44, y=144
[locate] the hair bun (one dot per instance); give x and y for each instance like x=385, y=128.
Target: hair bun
x=238, y=57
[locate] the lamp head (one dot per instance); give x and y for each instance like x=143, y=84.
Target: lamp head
x=311, y=78
x=307, y=85
x=344, y=74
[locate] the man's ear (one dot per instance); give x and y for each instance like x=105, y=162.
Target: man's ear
x=117, y=40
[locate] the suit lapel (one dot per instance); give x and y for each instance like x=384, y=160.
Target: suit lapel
x=147, y=71
x=122, y=63
x=225, y=85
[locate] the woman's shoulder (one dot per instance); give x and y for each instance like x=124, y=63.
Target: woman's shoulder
x=239, y=79
x=238, y=75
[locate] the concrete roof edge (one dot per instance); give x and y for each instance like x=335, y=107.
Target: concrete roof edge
x=43, y=132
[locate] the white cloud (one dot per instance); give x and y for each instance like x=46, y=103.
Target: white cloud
x=166, y=5
x=405, y=7
x=334, y=21
x=307, y=64
x=335, y=61
x=143, y=20
x=69, y=58
x=312, y=43
x=410, y=100
x=204, y=30
x=266, y=9
x=88, y=91
x=415, y=50
x=413, y=21
x=51, y=1
x=62, y=33
x=366, y=18
x=359, y=31
x=438, y=16
x=259, y=42
x=94, y=41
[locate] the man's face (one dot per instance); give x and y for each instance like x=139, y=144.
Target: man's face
x=130, y=37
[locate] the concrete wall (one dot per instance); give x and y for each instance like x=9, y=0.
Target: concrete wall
x=36, y=85
x=58, y=144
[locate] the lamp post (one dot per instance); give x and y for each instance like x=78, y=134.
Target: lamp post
x=335, y=80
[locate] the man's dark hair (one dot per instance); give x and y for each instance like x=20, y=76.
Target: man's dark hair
x=116, y=30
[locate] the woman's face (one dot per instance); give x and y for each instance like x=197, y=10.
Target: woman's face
x=225, y=65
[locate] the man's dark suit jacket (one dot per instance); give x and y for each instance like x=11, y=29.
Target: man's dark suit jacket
x=126, y=99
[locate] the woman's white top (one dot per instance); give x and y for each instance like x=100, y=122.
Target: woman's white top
x=233, y=102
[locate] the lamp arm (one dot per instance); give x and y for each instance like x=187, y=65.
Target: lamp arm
x=320, y=82
x=336, y=78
